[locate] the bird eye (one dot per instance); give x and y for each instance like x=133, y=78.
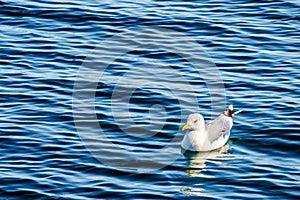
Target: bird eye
x=196, y=121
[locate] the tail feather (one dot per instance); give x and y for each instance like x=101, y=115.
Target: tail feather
x=237, y=112
x=229, y=111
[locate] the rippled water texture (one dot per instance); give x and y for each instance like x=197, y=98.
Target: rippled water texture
x=45, y=43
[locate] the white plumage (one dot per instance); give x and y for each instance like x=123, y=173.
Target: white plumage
x=207, y=136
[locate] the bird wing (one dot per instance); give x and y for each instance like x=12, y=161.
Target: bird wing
x=219, y=127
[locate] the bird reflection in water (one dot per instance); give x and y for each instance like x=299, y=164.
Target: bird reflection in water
x=196, y=164
x=197, y=161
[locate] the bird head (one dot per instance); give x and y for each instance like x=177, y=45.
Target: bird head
x=194, y=122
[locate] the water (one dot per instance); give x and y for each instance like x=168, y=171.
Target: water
x=256, y=50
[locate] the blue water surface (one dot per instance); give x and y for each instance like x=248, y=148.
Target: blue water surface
x=255, y=46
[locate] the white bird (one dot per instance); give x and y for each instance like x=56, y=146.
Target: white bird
x=207, y=136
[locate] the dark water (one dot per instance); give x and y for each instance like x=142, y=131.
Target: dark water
x=43, y=44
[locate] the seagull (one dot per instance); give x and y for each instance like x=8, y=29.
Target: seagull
x=210, y=135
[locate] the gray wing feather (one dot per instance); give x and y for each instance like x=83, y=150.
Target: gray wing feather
x=219, y=127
